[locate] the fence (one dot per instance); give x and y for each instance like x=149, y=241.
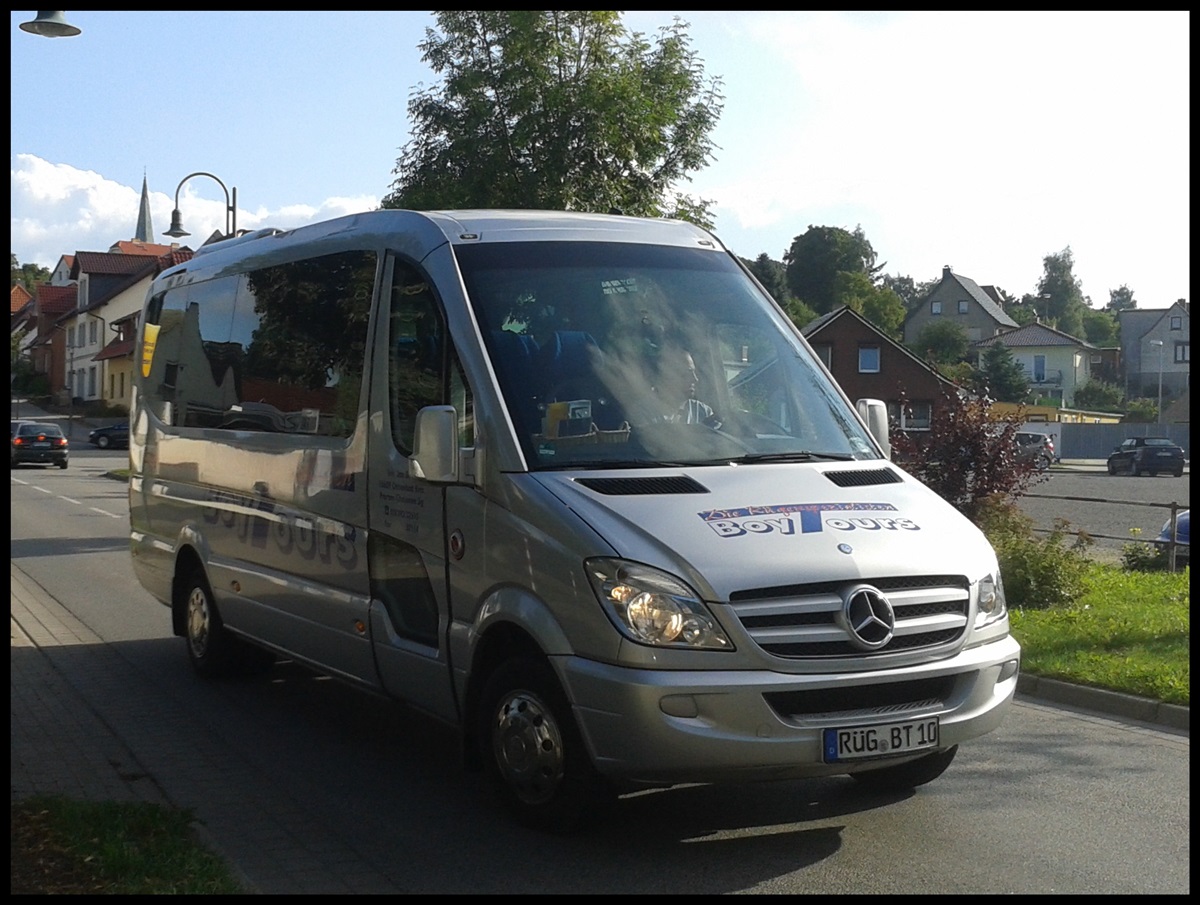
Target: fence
x=1096, y=441
x=1173, y=546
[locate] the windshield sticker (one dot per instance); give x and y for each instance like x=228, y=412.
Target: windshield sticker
x=803, y=518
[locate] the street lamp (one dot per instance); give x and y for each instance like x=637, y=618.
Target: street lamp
x=1159, y=343
x=51, y=23
x=177, y=231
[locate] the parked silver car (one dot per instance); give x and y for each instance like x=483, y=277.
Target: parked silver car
x=1037, y=448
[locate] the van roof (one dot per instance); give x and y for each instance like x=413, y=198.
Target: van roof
x=423, y=231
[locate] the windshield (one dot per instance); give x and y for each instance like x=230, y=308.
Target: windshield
x=623, y=355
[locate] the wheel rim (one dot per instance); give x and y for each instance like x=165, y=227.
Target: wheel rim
x=527, y=747
x=102, y=442
x=199, y=620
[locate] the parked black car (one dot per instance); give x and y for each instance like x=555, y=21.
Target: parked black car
x=1147, y=455
x=35, y=443
x=115, y=435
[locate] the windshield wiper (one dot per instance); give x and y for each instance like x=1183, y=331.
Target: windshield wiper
x=610, y=463
x=802, y=455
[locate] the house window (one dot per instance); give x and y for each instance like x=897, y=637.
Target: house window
x=1183, y=353
x=70, y=337
x=1039, y=369
x=92, y=332
x=1176, y=323
x=91, y=382
x=962, y=306
x=1096, y=359
x=935, y=308
x=868, y=359
x=916, y=416
x=825, y=353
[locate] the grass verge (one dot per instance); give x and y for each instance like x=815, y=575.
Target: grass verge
x=68, y=847
x=1128, y=632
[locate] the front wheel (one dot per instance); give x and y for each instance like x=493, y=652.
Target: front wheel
x=903, y=777
x=102, y=441
x=1112, y=468
x=533, y=752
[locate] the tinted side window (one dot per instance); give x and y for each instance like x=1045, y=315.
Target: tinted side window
x=276, y=349
x=297, y=344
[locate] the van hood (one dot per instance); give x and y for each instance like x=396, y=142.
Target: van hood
x=734, y=528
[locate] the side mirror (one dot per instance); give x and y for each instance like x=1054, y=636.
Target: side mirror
x=435, y=445
x=874, y=414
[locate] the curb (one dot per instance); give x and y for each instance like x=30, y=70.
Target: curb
x=1174, y=716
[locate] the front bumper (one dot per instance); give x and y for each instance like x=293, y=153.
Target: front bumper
x=626, y=715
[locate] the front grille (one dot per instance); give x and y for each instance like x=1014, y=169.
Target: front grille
x=806, y=621
x=877, y=700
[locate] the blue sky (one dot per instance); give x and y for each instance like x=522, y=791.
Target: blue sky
x=981, y=140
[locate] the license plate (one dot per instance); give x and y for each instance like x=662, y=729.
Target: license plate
x=41, y=445
x=1166, y=454
x=863, y=742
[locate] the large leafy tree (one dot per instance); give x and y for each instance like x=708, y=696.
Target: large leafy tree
x=882, y=307
x=771, y=274
x=909, y=290
x=558, y=109
x=943, y=342
x=1061, y=294
x=1100, y=327
x=1121, y=299
x=817, y=256
x=27, y=275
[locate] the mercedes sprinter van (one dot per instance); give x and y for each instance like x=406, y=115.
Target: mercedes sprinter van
x=573, y=484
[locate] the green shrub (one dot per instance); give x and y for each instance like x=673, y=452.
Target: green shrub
x=1140, y=556
x=1038, y=573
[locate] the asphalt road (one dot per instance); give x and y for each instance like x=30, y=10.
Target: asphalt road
x=1116, y=506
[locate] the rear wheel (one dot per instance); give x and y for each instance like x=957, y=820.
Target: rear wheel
x=903, y=777
x=533, y=752
x=102, y=441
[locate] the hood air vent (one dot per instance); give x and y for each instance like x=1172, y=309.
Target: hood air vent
x=864, y=478
x=642, y=486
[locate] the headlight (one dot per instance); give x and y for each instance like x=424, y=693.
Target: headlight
x=651, y=607
x=992, y=605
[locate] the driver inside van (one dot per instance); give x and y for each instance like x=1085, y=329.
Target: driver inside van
x=675, y=390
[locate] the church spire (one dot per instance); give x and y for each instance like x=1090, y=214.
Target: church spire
x=145, y=232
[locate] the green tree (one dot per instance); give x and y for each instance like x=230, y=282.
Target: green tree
x=881, y=307
x=1100, y=327
x=911, y=292
x=1099, y=396
x=27, y=275
x=559, y=109
x=1061, y=294
x=1121, y=299
x=771, y=274
x=1000, y=376
x=817, y=257
x=942, y=342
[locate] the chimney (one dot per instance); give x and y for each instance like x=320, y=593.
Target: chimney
x=946, y=271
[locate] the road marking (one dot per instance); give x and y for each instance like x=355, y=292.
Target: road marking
x=103, y=512
x=41, y=489
x=69, y=500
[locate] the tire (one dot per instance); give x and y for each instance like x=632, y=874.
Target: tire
x=103, y=442
x=903, y=777
x=1112, y=468
x=1135, y=470
x=532, y=751
x=214, y=651
x=63, y=465
x=1178, y=474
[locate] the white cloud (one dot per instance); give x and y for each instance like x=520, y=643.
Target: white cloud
x=58, y=209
